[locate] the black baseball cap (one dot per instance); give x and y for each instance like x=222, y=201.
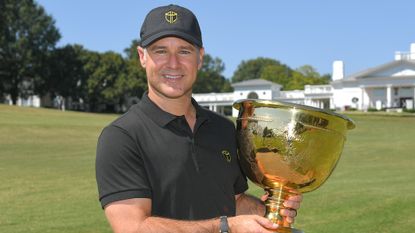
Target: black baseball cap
x=171, y=20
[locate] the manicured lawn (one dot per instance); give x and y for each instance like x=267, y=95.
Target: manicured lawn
x=47, y=177
x=47, y=172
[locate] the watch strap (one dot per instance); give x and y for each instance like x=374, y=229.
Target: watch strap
x=224, y=227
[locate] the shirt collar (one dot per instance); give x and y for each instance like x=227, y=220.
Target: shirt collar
x=162, y=117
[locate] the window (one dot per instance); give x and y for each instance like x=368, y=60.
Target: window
x=253, y=95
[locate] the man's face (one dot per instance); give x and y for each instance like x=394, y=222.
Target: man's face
x=171, y=66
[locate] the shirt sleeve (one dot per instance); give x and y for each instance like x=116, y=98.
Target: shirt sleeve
x=120, y=172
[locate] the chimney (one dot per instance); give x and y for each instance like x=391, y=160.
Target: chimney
x=338, y=70
x=398, y=56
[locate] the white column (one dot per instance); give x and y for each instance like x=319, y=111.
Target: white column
x=413, y=100
x=389, y=96
x=221, y=110
x=412, y=52
x=362, y=98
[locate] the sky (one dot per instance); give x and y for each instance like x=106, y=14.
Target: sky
x=361, y=33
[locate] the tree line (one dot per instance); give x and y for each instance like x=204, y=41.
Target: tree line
x=32, y=64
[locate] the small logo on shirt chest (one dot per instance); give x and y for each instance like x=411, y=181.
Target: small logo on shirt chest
x=227, y=156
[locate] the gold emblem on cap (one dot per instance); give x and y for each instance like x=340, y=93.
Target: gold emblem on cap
x=170, y=16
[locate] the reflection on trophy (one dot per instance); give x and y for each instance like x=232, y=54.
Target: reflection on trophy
x=288, y=148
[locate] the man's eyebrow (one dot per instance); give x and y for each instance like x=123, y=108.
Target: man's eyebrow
x=155, y=47
x=189, y=47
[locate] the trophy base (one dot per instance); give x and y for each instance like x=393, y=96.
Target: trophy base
x=288, y=230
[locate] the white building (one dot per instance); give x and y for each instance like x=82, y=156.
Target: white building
x=387, y=86
x=391, y=85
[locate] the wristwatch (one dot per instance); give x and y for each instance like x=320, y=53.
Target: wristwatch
x=224, y=227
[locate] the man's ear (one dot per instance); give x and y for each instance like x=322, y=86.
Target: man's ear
x=201, y=54
x=142, y=56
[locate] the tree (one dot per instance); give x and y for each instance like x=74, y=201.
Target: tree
x=136, y=81
x=274, y=71
x=308, y=71
x=299, y=80
x=104, y=85
x=27, y=35
x=65, y=75
x=210, y=78
x=296, y=82
x=306, y=75
x=252, y=69
x=277, y=73
x=215, y=65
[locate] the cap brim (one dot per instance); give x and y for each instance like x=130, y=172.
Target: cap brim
x=146, y=42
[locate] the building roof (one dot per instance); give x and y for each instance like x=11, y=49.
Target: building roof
x=393, y=68
x=255, y=82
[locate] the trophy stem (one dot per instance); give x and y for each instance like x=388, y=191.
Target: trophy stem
x=274, y=204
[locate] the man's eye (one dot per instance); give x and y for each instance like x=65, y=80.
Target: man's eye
x=160, y=51
x=185, y=52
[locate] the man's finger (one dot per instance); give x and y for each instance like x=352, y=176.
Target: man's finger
x=287, y=212
x=292, y=204
x=266, y=223
x=297, y=198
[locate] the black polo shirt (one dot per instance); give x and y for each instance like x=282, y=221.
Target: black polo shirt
x=149, y=153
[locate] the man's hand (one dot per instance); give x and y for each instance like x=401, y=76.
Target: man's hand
x=291, y=205
x=251, y=223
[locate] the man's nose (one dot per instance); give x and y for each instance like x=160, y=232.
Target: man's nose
x=173, y=61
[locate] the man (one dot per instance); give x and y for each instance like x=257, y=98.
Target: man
x=169, y=165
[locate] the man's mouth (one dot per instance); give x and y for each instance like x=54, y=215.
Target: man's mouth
x=170, y=76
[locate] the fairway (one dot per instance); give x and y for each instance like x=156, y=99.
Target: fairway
x=47, y=176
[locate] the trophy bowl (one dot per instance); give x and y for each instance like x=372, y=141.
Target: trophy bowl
x=287, y=149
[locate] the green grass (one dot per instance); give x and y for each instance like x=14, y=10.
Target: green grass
x=47, y=177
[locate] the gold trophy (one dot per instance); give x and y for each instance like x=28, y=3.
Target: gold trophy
x=288, y=149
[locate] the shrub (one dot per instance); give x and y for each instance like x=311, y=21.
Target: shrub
x=409, y=110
